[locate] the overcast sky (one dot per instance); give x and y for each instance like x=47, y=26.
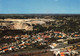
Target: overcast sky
x=39, y=6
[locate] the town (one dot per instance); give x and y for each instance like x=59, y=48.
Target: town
x=40, y=35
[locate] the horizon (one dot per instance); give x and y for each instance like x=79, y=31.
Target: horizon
x=37, y=14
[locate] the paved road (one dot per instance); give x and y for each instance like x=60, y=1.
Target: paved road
x=25, y=51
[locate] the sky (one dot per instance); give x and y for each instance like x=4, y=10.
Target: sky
x=39, y=6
